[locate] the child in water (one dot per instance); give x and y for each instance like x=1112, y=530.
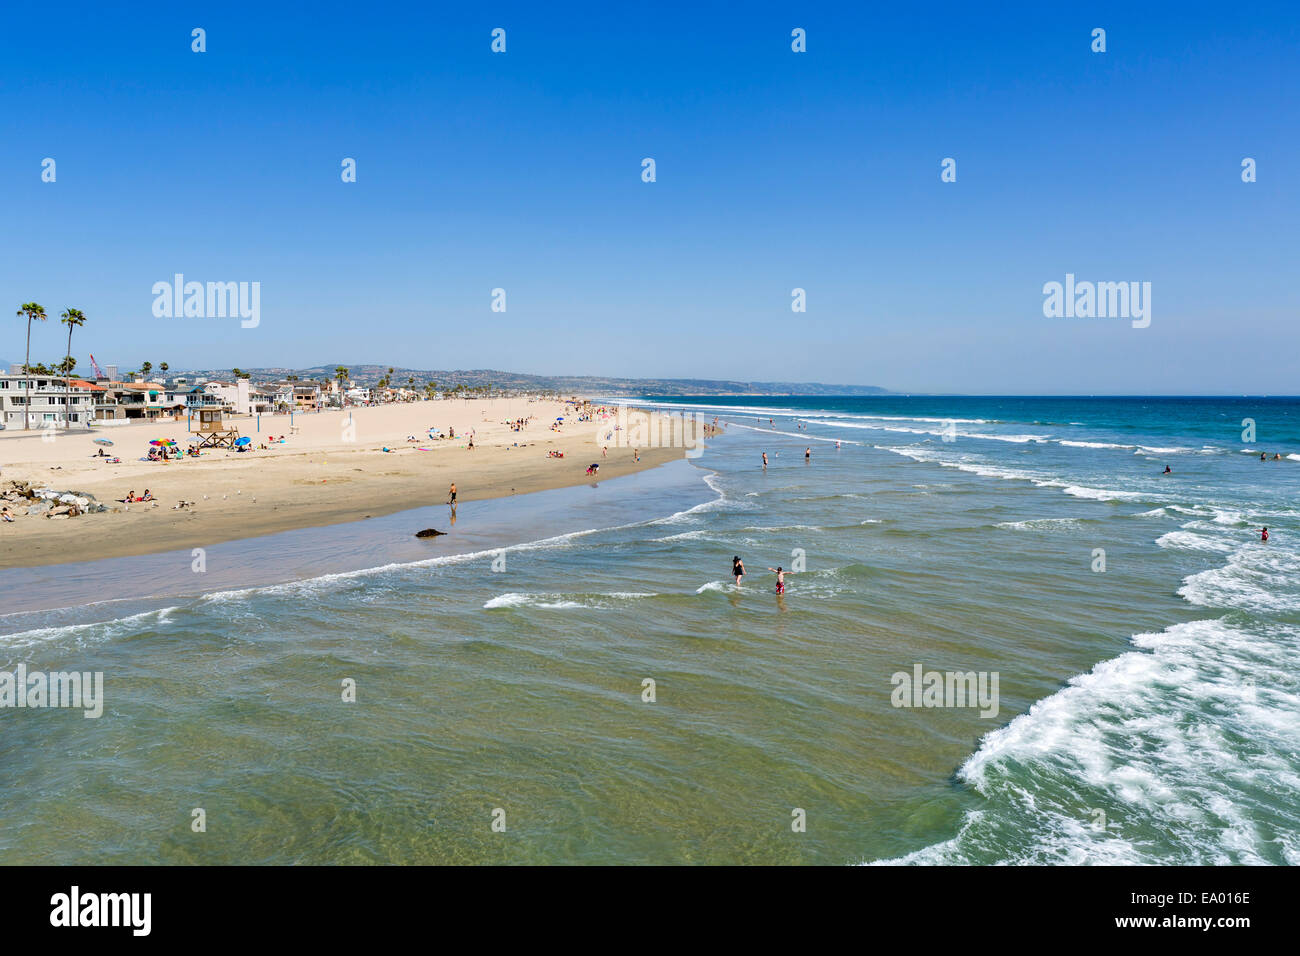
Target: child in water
x=780, y=578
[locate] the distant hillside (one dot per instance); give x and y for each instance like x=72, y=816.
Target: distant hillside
x=580, y=384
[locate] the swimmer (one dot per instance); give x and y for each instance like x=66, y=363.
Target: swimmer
x=765, y=461
x=1263, y=535
x=1167, y=470
x=807, y=454
x=780, y=578
x=737, y=569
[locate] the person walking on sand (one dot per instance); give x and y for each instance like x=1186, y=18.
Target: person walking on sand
x=451, y=499
x=737, y=569
x=780, y=578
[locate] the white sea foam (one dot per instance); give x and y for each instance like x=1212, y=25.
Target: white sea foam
x=1153, y=513
x=1138, y=737
x=131, y=624
x=1093, y=444
x=988, y=470
x=1041, y=524
x=1190, y=541
x=799, y=435
x=1101, y=494
x=1257, y=578
x=696, y=535
x=985, y=436
x=565, y=601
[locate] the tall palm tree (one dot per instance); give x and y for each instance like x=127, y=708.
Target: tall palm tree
x=72, y=318
x=33, y=310
x=146, y=370
x=341, y=373
x=163, y=367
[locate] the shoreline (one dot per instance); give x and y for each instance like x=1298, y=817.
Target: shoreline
x=316, y=479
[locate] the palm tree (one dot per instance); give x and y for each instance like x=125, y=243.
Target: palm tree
x=341, y=373
x=33, y=310
x=163, y=367
x=146, y=368
x=72, y=318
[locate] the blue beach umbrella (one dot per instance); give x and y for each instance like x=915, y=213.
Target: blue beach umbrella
x=243, y=441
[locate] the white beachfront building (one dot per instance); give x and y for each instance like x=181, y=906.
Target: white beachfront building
x=242, y=397
x=51, y=400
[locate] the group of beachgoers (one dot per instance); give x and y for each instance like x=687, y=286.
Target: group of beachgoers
x=738, y=572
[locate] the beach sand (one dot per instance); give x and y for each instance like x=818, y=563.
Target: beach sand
x=325, y=473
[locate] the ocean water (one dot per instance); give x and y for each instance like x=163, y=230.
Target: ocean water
x=1147, y=712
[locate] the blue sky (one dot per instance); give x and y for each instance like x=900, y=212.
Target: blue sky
x=775, y=170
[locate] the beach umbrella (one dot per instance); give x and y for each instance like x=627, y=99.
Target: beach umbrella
x=102, y=441
x=243, y=441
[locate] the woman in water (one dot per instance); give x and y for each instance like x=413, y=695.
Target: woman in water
x=737, y=569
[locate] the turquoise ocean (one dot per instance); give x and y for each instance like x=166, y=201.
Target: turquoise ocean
x=1148, y=707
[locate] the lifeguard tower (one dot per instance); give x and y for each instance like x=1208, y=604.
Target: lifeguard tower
x=212, y=430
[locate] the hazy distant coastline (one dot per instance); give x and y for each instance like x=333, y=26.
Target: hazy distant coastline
x=365, y=375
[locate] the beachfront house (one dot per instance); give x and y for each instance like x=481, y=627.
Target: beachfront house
x=139, y=401
x=52, y=400
x=306, y=396
x=242, y=397
x=189, y=397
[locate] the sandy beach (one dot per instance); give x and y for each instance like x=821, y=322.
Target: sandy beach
x=331, y=468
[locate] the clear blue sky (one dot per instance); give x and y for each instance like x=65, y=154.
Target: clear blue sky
x=775, y=170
